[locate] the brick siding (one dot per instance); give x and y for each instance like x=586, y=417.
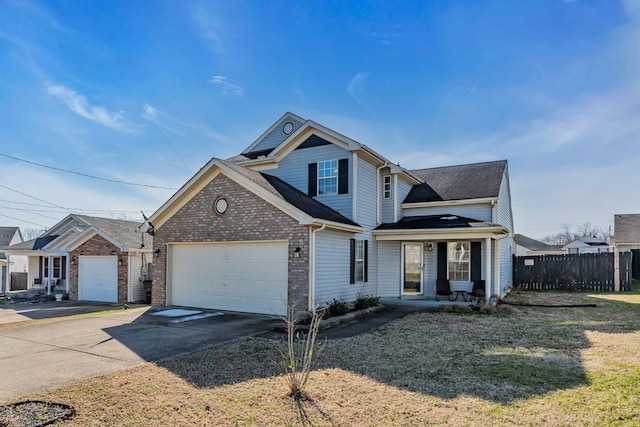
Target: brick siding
x=98, y=246
x=248, y=217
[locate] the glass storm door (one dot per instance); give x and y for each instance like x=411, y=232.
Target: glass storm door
x=412, y=268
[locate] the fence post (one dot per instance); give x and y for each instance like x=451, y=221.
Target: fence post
x=616, y=269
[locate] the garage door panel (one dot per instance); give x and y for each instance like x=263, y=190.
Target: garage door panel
x=98, y=278
x=251, y=277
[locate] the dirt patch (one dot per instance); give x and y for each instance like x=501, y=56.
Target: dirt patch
x=34, y=414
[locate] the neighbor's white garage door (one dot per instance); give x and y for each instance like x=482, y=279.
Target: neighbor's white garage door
x=250, y=277
x=98, y=278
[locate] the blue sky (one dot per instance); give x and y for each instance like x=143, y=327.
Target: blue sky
x=148, y=91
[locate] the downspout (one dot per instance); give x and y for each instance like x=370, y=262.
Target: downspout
x=496, y=264
x=7, y=274
x=378, y=191
x=312, y=266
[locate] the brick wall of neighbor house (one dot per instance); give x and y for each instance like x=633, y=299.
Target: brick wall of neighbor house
x=98, y=246
x=248, y=217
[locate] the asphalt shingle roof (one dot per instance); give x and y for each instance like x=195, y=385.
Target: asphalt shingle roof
x=6, y=235
x=290, y=194
x=533, y=244
x=473, y=181
x=626, y=228
x=445, y=221
x=126, y=232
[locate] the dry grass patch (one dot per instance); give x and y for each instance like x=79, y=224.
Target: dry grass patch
x=535, y=366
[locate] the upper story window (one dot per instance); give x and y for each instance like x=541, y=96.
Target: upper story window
x=328, y=177
x=386, y=187
x=459, y=261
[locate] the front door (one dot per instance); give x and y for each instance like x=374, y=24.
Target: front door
x=412, y=268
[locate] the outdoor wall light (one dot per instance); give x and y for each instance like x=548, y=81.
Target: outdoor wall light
x=430, y=246
x=157, y=252
x=120, y=261
x=73, y=260
x=296, y=252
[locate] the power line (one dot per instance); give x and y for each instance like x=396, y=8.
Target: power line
x=40, y=200
x=74, y=209
x=86, y=175
x=33, y=211
x=22, y=220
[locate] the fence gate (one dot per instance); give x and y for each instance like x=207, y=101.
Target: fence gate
x=584, y=272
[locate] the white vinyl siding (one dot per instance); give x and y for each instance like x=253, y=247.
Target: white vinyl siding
x=294, y=170
x=332, y=268
x=276, y=136
x=480, y=211
x=389, y=268
x=136, y=287
x=507, y=245
x=366, y=197
x=404, y=188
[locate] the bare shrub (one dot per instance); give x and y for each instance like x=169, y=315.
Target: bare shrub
x=299, y=357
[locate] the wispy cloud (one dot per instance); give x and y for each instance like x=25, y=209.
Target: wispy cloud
x=208, y=25
x=225, y=87
x=79, y=105
x=357, y=86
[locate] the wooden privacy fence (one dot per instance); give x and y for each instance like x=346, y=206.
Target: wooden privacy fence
x=584, y=272
x=635, y=268
x=18, y=281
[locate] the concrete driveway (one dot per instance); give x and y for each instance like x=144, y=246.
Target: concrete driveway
x=38, y=357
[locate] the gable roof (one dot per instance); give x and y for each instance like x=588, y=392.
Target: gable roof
x=471, y=181
x=305, y=203
x=626, y=228
x=533, y=244
x=76, y=229
x=275, y=191
x=33, y=244
x=7, y=234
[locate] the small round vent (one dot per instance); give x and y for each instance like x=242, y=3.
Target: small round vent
x=287, y=128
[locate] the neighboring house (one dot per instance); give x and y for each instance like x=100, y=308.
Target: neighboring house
x=305, y=215
x=92, y=259
x=528, y=246
x=626, y=228
x=587, y=245
x=10, y=236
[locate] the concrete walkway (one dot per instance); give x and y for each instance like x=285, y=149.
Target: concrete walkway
x=42, y=356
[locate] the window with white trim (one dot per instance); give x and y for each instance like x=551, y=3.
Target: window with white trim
x=328, y=177
x=459, y=264
x=386, y=187
x=57, y=267
x=359, y=261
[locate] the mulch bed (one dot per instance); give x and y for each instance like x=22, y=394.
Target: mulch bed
x=34, y=413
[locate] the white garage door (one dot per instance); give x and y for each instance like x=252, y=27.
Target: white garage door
x=250, y=277
x=98, y=278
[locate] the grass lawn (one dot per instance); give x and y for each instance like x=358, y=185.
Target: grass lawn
x=532, y=366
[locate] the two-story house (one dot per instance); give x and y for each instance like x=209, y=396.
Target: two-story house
x=305, y=215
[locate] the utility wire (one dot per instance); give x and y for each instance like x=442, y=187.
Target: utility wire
x=74, y=209
x=33, y=211
x=40, y=200
x=86, y=175
x=22, y=220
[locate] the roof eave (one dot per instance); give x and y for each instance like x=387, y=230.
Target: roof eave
x=440, y=233
x=435, y=203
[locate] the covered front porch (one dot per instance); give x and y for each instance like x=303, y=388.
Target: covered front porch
x=45, y=272
x=453, y=252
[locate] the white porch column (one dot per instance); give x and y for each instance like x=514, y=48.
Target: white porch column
x=7, y=274
x=487, y=269
x=496, y=263
x=49, y=271
x=66, y=278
